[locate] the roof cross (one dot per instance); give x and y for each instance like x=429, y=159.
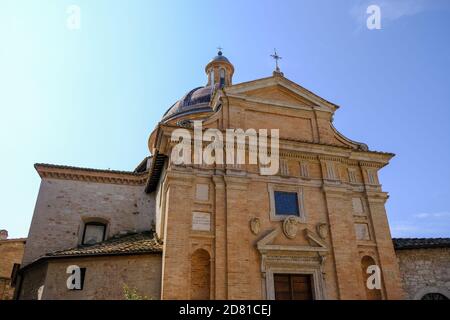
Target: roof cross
x=276, y=57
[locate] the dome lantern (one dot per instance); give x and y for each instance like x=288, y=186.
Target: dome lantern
x=219, y=71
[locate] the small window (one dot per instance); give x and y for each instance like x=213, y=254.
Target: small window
x=304, y=171
x=286, y=203
x=222, y=77
x=211, y=77
x=94, y=232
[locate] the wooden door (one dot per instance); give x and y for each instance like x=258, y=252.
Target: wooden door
x=293, y=287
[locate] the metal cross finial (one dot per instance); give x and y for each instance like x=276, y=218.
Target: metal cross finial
x=220, y=49
x=276, y=57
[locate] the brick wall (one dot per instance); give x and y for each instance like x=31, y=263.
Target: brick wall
x=63, y=204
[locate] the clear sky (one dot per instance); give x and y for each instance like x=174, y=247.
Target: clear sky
x=90, y=97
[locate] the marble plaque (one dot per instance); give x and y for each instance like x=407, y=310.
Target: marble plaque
x=201, y=221
x=362, y=231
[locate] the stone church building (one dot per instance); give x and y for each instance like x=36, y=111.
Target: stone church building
x=220, y=231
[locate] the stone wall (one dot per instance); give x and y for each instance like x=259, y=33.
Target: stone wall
x=30, y=282
x=6, y=292
x=11, y=251
x=425, y=271
x=105, y=278
x=63, y=205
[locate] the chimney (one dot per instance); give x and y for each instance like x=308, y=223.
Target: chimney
x=3, y=234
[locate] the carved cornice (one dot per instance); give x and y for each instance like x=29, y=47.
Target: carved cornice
x=47, y=171
x=373, y=196
x=369, y=164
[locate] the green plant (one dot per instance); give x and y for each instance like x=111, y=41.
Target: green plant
x=132, y=294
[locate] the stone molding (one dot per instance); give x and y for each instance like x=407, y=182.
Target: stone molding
x=272, y=187
x=91, y=175
x=289, y=259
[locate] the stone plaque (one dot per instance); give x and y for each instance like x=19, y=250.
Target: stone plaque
x=202, y=192
x=357, y=206
x=362, y=231
x=201, y=221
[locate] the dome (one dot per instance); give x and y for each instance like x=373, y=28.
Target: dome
x=220, y=57
x=219, y=72
x=195, y=101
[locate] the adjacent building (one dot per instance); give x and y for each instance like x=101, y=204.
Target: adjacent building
x=11, y=252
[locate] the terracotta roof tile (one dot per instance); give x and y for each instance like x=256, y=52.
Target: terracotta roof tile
x=144, y=242
x=418, y=243
x=57, y=166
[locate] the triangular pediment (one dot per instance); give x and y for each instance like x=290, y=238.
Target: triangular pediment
x=268, y=243
x=279, y=90
x=278, y=93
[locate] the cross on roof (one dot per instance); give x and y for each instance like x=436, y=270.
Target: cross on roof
x=276, y=57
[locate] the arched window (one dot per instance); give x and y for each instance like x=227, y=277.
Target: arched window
x=211, y=77
x=94, y=232
x=434, y=296
x=222, y=77
x=371, y=293
x=200, y=275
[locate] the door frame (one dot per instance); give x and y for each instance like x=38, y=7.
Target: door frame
x=316, y=279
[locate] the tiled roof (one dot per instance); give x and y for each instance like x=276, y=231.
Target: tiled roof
x=144, y=242
x=57, y=166
x=417, y=243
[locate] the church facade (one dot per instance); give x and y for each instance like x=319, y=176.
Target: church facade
x=221, y=231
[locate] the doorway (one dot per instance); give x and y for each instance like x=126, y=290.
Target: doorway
x=293, y=287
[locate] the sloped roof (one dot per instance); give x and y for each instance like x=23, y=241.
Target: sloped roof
x=420, y=243
x=89, y=174
x=136, y=243
x=57, y=166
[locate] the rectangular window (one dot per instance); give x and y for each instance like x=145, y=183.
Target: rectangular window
x=286, y=203
x=93, y=233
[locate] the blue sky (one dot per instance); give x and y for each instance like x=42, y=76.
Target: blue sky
x=90, y=97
